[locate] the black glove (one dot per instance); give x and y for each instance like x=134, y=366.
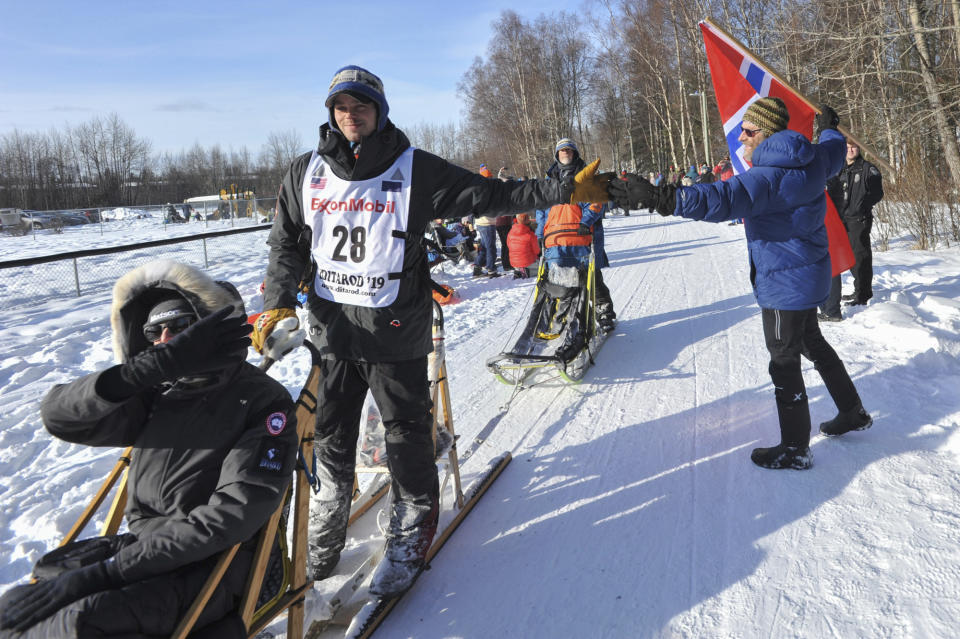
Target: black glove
x=212, y=343
x=633, y=193
x=26, y=605
x=826, y=119
x=583, y=229
x=666, y=200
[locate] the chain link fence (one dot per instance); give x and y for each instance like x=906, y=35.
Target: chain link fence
x=72, y=274
x=199, y=216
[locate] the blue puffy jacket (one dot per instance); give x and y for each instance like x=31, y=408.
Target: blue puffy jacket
x=782, y=201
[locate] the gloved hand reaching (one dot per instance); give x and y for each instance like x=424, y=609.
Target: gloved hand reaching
x=826, y=119
x=212, y=343
x=589, y=186
x=636, y=192
x=266, y=323
x=29, y=604
x=632, y=193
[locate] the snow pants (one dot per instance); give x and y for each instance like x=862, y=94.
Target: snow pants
x=151, y=608
x=502, y=232
x=858, y=231
x=402, y=393
x=788, y=335
x=604, y=303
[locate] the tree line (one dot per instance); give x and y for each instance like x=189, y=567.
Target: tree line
x=628, y=80
x=103, y=162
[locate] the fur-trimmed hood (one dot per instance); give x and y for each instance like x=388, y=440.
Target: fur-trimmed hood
x=135, y=293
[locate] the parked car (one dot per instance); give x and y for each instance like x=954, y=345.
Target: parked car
x=72, y=218
x=9, y=218
x=52, y=219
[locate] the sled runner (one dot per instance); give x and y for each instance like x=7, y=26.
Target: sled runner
x=561, y=334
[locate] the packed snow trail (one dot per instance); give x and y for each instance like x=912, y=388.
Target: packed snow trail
x=631, y=508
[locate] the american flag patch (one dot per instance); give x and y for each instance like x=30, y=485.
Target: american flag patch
x=387, y=185
x=318, y=182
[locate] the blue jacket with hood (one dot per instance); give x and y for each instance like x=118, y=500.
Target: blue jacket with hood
x=782, y=201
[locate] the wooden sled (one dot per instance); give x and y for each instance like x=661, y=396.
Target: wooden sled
x=291, y=598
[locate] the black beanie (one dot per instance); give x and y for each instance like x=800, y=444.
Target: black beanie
x=169, y=308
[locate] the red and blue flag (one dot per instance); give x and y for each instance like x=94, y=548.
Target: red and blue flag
x=739, y=80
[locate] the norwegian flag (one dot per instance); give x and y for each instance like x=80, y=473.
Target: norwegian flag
x=739, y=80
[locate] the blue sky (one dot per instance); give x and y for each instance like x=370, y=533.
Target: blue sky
x=229, y=73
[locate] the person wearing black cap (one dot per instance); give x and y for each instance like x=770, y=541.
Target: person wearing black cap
x=782, y=201
x=357, y=207
x=214, y=446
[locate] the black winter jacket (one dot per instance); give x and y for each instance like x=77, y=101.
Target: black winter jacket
x=862, y=187
x=439, y=189
x=206, y=472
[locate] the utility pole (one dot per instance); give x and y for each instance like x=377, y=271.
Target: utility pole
x=704, y=125
x=703, y=120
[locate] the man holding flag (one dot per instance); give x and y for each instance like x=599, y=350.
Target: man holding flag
x=781, y=198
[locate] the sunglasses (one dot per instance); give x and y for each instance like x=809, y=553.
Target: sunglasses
x=749, y=132
x=153, y=331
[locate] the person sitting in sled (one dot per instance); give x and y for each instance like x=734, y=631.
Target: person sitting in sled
x=568, y=230
x=214, y=446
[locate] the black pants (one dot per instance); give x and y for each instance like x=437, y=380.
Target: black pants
x=832, y=305
x=151, y=608
x=502, y=232
x=402, y=393
x=858, y=230
x=604, y=303
x=788, y=335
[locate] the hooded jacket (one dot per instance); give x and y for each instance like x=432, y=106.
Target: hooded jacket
x=400, y=331
x=211, y=461
x=782, y=201
x=590, y=216
x=523, y=245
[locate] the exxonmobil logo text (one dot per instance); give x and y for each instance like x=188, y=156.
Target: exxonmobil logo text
x=353, y=205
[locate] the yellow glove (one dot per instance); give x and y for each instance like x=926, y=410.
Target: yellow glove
x=265, y=323
x=588, y=186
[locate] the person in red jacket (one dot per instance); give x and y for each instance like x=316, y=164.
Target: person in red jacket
x=523, y=245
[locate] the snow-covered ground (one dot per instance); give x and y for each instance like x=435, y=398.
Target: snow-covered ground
x=631, y=508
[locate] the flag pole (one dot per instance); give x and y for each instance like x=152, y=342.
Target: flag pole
x=865, y=148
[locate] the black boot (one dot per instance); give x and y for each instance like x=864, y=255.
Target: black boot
x=846, y=399
x=781, y=456
x=794, y=448
x=412, y=527
x=847, y=420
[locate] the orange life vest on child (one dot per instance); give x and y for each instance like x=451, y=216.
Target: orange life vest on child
x=563, y=220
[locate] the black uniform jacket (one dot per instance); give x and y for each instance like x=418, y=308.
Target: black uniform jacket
x=209, y=466
x=439, y=189
x=862, y=187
